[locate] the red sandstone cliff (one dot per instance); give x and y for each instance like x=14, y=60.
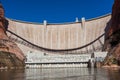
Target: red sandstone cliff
x=5, y=44
x=115, y=17
x=113, y=36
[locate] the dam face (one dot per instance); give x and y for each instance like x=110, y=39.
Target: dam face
x=87, y=33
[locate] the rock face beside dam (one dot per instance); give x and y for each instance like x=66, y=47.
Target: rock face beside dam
x=10, y=54
x=112, y=41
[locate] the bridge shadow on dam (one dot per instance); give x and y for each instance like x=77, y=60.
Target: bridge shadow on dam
x=27, y=43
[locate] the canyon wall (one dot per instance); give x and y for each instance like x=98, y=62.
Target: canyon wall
x=10, y=53
x=112, y=41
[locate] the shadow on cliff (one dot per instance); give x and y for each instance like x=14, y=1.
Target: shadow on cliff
x=106, y=46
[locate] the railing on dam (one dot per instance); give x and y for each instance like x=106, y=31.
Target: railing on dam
x=29, y=44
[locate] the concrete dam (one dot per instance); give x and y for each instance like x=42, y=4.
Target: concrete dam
x=46, y=39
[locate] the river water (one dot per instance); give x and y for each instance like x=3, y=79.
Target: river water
x=61, y=74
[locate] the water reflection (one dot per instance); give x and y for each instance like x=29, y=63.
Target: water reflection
x=61, y=74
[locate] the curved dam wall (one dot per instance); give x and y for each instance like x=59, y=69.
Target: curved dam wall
x=61, y=36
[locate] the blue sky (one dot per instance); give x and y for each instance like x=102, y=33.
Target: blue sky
x=55, y=11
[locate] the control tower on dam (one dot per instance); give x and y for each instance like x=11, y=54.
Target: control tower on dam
x=78, y=37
